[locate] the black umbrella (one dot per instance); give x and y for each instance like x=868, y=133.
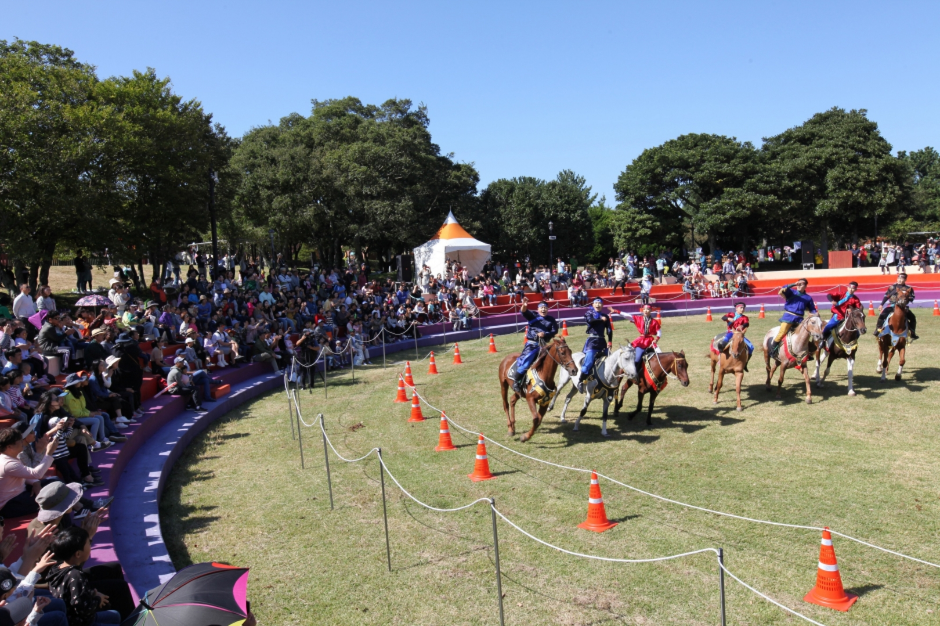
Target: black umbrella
x=205, y=594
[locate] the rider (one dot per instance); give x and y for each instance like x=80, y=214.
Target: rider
x=797, y=303
x=892, y=295
x=650, y=332
x=594, y=346
x=735, y=321
x=842, y=298
x=541, y=328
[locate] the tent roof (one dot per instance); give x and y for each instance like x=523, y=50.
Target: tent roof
x=452, y=230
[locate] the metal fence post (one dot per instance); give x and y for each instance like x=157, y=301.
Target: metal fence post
x=290, y=408
x=499, y=579
x=300, y=442
x=326, y=459
x=721, y=582
x=388, y=547
x=415, y=331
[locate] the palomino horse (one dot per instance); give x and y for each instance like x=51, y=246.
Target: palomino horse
x=656, y=369
x=799, y=346
x=732, y=360
x=845, y=338
x=553, y=354
x=604, y=386
x=894, y=339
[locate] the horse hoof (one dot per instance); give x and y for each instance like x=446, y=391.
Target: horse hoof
x=819, y=385
x=715, y=401
x=851, y=392
x=605, y=435
x=809, y=399
x=512, y=432
x=897, y=377
x=740, y=408
x=523, y=439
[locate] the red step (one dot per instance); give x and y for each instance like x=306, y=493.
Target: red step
x=220, y=390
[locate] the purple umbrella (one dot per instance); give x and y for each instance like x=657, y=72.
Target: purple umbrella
x=94, y=300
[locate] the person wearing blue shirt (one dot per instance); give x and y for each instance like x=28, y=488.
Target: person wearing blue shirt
x=798, y=302
x=541, y=328
x=598, y=325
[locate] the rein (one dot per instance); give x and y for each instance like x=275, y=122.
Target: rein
x=675, y=365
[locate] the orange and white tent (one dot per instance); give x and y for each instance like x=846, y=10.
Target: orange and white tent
x=452, y=242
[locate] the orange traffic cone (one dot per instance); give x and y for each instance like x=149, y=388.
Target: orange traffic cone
x=871, y=309
x=828, y=590
x=401, y=397
x=415, y=409
x=408, y=379
x=443, y=442
x=761, y=315
x=432, y=367
x=708, y=314
x=457, y=360
x=564, y=329
x=492, y=349
x=597, y=516
x=481, y=468
x=936, y=309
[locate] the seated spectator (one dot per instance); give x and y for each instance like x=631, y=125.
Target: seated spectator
x=263, y=351
x=83, y=592
x=72, y=440
x=19, y=484
x=180, y=382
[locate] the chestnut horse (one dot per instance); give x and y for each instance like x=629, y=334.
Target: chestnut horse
x=554, y=353
x=845, y=338
x=732, y=360
x=894, y=338
x=661, y=365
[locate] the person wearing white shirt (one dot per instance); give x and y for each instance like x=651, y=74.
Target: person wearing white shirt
x=266, y=296
x=23, y=305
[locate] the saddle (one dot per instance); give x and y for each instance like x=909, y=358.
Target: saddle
x=544, y=392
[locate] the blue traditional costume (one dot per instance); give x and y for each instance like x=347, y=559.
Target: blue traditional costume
x=797, y=303
x=597, y=324
x=537, y=323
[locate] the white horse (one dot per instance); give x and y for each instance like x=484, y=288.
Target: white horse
x=620, y=363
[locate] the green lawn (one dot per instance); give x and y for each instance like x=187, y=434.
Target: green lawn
x=866, y=466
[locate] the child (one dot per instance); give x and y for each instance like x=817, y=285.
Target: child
x=16, y=393
x=7, y=399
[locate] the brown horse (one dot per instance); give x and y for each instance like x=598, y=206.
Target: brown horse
x=845, y=338
x=801, y=345
x=895, y=340
x=659, y=366
x=732, y=360
x=553, y=354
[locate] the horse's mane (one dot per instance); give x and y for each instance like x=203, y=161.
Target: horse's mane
x=543, y=352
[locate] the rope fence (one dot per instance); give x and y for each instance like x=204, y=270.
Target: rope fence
x=497, y=514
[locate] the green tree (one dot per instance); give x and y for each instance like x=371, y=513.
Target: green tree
x=694, y=183
x=602, y=217
x=53, y=170
x=925, y=192
x=831, y=176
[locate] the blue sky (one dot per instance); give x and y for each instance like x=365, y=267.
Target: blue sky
x=527, y=88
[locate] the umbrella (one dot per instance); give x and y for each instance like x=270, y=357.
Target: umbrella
x=205, y=594
x=94, y=300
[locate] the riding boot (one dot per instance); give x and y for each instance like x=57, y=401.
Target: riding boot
x=912, y=326
x=519, y=385
x=774, y=348
x=721, y=344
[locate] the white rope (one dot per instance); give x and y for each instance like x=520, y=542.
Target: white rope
x=425, y=505
x=600, y=558
x=341, y=457
x=766, y=597
x=663, y=498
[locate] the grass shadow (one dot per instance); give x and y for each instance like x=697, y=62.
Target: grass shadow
x=863, y=589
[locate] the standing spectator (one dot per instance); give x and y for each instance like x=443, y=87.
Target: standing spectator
x=82, y=273
x=24, y=308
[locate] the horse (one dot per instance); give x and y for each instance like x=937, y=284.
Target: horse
x=732, y=360
x=845, y=338
x=658, y=366
x=800, y=348
x=553, y=354
x=895, y=339
x=604, y=386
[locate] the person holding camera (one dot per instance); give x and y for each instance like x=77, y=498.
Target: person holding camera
x=263, y=350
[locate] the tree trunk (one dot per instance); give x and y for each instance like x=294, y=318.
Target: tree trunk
x=33, y=276
x=712, y=244
x=44, y=272
x=824, y=245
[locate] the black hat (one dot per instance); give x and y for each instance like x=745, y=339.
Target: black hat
x=123, y=338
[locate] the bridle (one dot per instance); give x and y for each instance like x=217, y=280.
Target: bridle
x=547, y=346
x=674, y=372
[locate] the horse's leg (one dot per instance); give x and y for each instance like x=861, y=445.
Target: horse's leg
x=711, y=384
x=604, y=417
x=568, y=397
x=818, y=360
x=738, y=377
x=879, y=366
x=901, y=353
x=783, y=372
x=587, y=401
x=809, y=387
x=884, y=361
x=503, y=388
x=536, y=418
x=562, y=381
x=639, y=402
x=850, y=366
x=649, y=415
x=721, y=380
x=770, y=373
x=512, y=414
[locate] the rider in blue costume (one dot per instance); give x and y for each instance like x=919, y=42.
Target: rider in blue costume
x=541, y=328
x=597, y=325
x=796, y=305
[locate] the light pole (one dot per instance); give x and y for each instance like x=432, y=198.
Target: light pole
x=551, y=247
x=213, y=180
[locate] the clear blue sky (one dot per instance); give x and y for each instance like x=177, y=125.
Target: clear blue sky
x=527, y=88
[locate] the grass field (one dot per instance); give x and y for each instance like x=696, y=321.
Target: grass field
x=866, y=466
